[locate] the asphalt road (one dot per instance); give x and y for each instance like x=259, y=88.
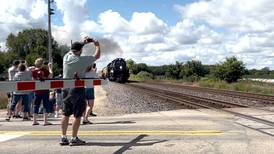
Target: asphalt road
x=180, y=131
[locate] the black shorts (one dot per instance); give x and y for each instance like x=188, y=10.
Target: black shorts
x=74, y=102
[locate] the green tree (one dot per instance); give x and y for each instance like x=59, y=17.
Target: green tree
x=174, y=70
x=265, y=71
x=230, y=71
x=30, y=44
x=139, y=67
x=157, y=71
x=194, y=68
x=145, y=75
x=31, y=58
x=130, y=64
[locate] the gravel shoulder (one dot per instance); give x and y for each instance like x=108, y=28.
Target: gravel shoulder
x=118, y=99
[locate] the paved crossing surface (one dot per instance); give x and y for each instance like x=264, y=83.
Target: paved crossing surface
x=181, y=131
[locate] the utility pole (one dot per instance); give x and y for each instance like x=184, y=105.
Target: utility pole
x=50, y=12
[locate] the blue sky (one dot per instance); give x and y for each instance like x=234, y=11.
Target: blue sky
x=155, y=32
x=162, y=8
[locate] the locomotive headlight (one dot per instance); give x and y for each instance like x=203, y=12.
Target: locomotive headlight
x=121, y=67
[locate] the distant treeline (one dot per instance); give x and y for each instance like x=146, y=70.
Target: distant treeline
x=231, y=70
x=265, y=73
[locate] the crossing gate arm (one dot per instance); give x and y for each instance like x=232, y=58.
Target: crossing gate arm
x=9, y=86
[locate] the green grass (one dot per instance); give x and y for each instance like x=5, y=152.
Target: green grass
x=243, y=85
x=138, y=78
x=3, y=100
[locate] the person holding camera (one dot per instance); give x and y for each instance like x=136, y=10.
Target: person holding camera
x=74, y=65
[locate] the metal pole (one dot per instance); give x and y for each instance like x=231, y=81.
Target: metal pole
x=49, y=32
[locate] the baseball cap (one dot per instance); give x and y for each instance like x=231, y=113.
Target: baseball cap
x=16, y=62
x=77, y=46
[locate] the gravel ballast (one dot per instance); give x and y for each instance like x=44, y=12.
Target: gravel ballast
x=122, y=99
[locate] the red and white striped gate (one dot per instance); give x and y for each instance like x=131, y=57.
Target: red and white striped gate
x=8, y=86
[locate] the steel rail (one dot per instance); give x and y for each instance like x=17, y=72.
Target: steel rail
x=176, y=98
x=269, y=99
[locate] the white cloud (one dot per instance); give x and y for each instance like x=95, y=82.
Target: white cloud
x=87, y=27
x=241, y=16
x=2, y=46
x=39, y=9
x=75, y=13
x=185, y=33
x=208, y=30
x=147, y=23
x=146, y=39
x=245, y=28
x=112, y=22
x=16, y=15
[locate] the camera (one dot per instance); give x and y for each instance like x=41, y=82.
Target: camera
x=94, y=65
x=90, y=40
x=23, y=61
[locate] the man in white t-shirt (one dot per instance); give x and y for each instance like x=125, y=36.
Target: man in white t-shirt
x=13, y=69
x=74, y=65
x=11, y=72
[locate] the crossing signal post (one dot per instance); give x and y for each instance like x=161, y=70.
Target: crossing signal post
x=50, y=12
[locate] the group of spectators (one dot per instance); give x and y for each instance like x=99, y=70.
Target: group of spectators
x=27, y=104
x=29, y=100
x=76, y=101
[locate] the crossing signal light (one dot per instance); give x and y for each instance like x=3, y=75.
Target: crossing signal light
x=51, y=11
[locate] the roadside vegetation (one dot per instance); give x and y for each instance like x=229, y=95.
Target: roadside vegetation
x=228, y=75
x=3, y=100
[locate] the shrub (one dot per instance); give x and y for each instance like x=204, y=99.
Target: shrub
x=145, y=75
x=230, y=71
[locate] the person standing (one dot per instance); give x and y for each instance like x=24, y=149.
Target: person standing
x=13, y=69
x=58, y=97
x=11, y=72
x=22, y=75
x=59, y=101
x=90, y=96
x=74, y=66
x=41, y=73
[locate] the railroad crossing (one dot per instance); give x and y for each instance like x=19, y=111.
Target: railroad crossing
x=181, y=131
x=198, y=130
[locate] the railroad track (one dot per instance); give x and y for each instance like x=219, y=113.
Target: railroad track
x=199, y=102
x=266, y=99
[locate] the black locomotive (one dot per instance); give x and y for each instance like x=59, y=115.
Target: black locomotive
x=116, y=71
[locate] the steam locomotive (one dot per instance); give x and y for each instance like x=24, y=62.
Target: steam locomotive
x=116, y=70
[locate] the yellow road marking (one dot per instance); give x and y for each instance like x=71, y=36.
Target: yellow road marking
x=117, y=133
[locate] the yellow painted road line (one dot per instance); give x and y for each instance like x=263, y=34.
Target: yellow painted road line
x=117, y=133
